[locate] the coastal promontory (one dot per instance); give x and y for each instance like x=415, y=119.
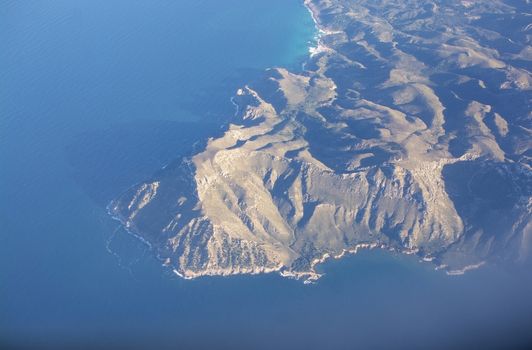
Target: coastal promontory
x=409, y=129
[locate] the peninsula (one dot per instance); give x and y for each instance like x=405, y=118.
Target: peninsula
x=409, y=130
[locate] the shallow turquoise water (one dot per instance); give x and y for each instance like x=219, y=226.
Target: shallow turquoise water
x=97, y=95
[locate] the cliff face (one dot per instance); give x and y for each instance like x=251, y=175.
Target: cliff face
x=408, y=130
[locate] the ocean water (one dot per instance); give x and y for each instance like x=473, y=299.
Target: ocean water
x=96, y=96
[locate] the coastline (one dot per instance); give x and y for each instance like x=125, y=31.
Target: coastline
x=307, y=270
x=313, y=48
x=321, y=31
x=296, y=219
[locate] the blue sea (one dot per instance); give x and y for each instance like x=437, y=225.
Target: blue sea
x=96, y=96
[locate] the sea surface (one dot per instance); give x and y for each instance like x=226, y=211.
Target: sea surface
x=96, y=96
